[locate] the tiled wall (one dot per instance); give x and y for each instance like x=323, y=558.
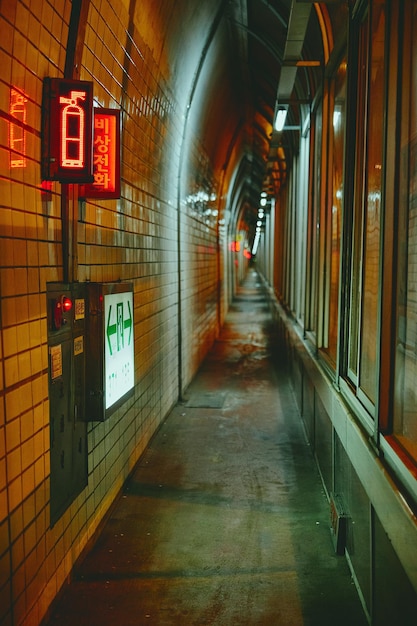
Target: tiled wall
x=135, y=239
x=198, y=262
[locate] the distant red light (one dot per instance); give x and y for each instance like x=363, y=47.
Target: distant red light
x=66, y=304
x=234, y=246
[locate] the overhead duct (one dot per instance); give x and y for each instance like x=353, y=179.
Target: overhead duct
x=297, y=27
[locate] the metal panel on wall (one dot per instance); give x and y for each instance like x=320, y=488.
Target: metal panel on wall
x=68, y=432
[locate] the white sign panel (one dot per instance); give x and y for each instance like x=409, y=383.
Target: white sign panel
x=119, y=362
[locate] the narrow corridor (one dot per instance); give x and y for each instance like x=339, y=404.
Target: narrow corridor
x=224, y=520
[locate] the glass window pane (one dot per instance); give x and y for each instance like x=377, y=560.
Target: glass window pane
x=311, y=322
x=358, y=199
x=338, y=123
x=370, y=260
x=405, y=392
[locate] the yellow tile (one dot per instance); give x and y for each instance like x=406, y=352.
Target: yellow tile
x=45, y=387
x=20, y=280
x=34, y=329
x=33, y=279
x=34, y=30
x=26, y=400
x=15, y=493
x=2, y=474
x=6, y=252
x=23, y=329
x=20, y=253
x=28, y=482
x=28, y=453
x=31, y=218
x=38, y=443
x=18, y=217
x=23, y=334
x=13, y=434
x=43, y=253
x=14, y=464
x=10, y=341
x=26, y=426
x=37, y=386
x=35, y=310
x=38, y=415
x=42, y=523
x=11, y=371
x=3, y=505
x=32, y=253
x=8, y=307
x=7, y=278
x=24, y=361
x=39, y=471
x=22, y=315
x=18, y=552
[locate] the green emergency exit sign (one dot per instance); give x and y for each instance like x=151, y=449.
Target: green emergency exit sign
x=119, y=362
x=110, y=348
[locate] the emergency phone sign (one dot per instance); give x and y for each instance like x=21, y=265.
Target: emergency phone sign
x=106, y=155
x=119, y=362
x=67, y=130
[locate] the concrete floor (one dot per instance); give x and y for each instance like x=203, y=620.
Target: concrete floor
x=224, y=520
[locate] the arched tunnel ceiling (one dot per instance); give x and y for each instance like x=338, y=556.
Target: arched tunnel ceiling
x=248, y=65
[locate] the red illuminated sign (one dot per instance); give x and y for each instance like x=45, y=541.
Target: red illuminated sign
x=106, y=155
x=17, y=133
x=67, y=130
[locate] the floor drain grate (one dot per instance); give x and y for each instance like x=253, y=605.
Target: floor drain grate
x=206, y=401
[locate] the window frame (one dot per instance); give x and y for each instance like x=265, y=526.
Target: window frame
x=400, y=458
x=355, y=225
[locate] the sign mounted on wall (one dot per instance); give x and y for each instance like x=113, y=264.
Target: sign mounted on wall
x=110, y=348
x=67, y=130
x=106, y=156
x=119, y=349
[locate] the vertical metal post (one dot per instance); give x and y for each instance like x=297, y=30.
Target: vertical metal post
x=69, y=193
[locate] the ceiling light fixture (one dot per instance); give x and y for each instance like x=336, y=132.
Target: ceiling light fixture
x=280, y=118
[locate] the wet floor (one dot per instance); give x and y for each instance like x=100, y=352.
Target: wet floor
x=224, y=520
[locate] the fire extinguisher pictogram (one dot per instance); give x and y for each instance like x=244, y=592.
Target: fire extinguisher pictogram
x=72, y=125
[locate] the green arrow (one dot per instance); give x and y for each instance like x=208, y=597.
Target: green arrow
x=111, y=330
x=128, y=322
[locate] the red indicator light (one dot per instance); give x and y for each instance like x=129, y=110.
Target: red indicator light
x=61, y=306
x=66, y=304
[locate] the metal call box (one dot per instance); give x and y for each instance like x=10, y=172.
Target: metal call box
x=91, y=373
x=68, y=432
